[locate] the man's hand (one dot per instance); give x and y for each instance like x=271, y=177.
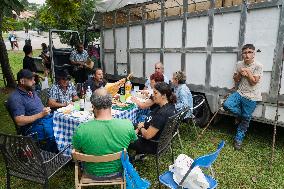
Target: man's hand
x=253, y=80
x=237, y=77
x=245, y=72
x=134, y=99
x=45, y=111
x=144, y=92
x=81, y=64
x=140, y=125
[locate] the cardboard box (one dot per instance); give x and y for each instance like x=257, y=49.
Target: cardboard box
x=237, y=2
x=251, y=1
x=191, y=7
x=201, y=6
x=153, y=15
x=218, y=3
x=228, y=3
x=174, y=11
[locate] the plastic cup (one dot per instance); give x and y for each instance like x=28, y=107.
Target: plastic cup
x=77, y=105
x=122, y=98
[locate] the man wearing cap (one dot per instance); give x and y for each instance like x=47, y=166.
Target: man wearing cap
x=62, y=92
x=29, y=113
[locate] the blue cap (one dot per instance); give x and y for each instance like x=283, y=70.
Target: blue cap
x=24, y=73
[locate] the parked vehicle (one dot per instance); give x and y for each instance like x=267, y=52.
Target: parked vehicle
x=60, y=53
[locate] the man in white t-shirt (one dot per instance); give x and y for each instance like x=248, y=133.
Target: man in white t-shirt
x=159, y=67
x=242, y=103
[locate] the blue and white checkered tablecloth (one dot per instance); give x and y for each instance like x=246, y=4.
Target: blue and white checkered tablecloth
x=64, y=125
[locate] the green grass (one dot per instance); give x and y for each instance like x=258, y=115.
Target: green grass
x=16, y=62
x=248, y=168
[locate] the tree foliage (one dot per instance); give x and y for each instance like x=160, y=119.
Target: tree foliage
x=6, y=7
x=67, y=14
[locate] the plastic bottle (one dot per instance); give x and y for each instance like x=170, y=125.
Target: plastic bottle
x=128, y=87
x=88, y=94
x=88, y=104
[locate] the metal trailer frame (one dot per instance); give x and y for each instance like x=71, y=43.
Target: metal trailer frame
x=212, y=93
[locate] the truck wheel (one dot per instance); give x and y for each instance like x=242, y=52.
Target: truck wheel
x=203, y=115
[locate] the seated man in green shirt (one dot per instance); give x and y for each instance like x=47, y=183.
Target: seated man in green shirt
x=104, y=135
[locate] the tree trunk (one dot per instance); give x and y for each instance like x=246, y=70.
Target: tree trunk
x=5, y=66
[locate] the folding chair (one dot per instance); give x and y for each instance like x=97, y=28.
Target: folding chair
x=202, y=161
x=180, y=117
x=24, y=159
x=82, y=179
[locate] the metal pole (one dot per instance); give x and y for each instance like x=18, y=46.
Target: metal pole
x=276, y=117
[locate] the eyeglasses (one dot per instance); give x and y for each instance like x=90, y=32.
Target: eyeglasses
x=249, y=52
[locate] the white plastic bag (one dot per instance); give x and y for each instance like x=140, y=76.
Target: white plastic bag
x=195, y=179
x=44, y=83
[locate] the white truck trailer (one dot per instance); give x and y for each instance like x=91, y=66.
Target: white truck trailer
x=202, y=38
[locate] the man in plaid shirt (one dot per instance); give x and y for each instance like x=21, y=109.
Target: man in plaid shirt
x=62, y=93
x=79, y=58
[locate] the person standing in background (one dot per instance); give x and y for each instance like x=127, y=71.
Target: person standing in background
x=14, y=40
x=27, y=37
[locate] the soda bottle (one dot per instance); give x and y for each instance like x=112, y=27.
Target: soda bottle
x=128, y=87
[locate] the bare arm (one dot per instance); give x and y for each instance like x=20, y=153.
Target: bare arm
x=149, y=133
x=143, y=105
x=253, y=80
x=24, y=120
x=77, y=63
x=53, y=104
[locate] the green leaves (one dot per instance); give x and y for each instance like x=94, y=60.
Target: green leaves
x=13, y=5
x=67, y=14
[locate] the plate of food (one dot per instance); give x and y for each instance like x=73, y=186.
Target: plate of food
x=66, y=110
x=123, y=106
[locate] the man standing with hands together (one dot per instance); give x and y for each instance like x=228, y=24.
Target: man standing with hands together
x=242, y=103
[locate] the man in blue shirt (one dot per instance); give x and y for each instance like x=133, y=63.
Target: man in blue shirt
x=29, y=113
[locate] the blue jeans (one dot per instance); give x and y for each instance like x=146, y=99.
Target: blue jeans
x=240, y=106
x=243, y=108
x=44, y=129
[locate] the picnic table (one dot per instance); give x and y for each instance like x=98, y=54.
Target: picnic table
x=65, y=124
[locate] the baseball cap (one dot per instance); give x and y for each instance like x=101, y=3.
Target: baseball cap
x=24, y=73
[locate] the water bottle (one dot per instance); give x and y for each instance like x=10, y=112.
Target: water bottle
x=88, y=94
x=88, y=104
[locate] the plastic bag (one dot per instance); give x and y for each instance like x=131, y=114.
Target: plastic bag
x=44, y=84
x=195, y=179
